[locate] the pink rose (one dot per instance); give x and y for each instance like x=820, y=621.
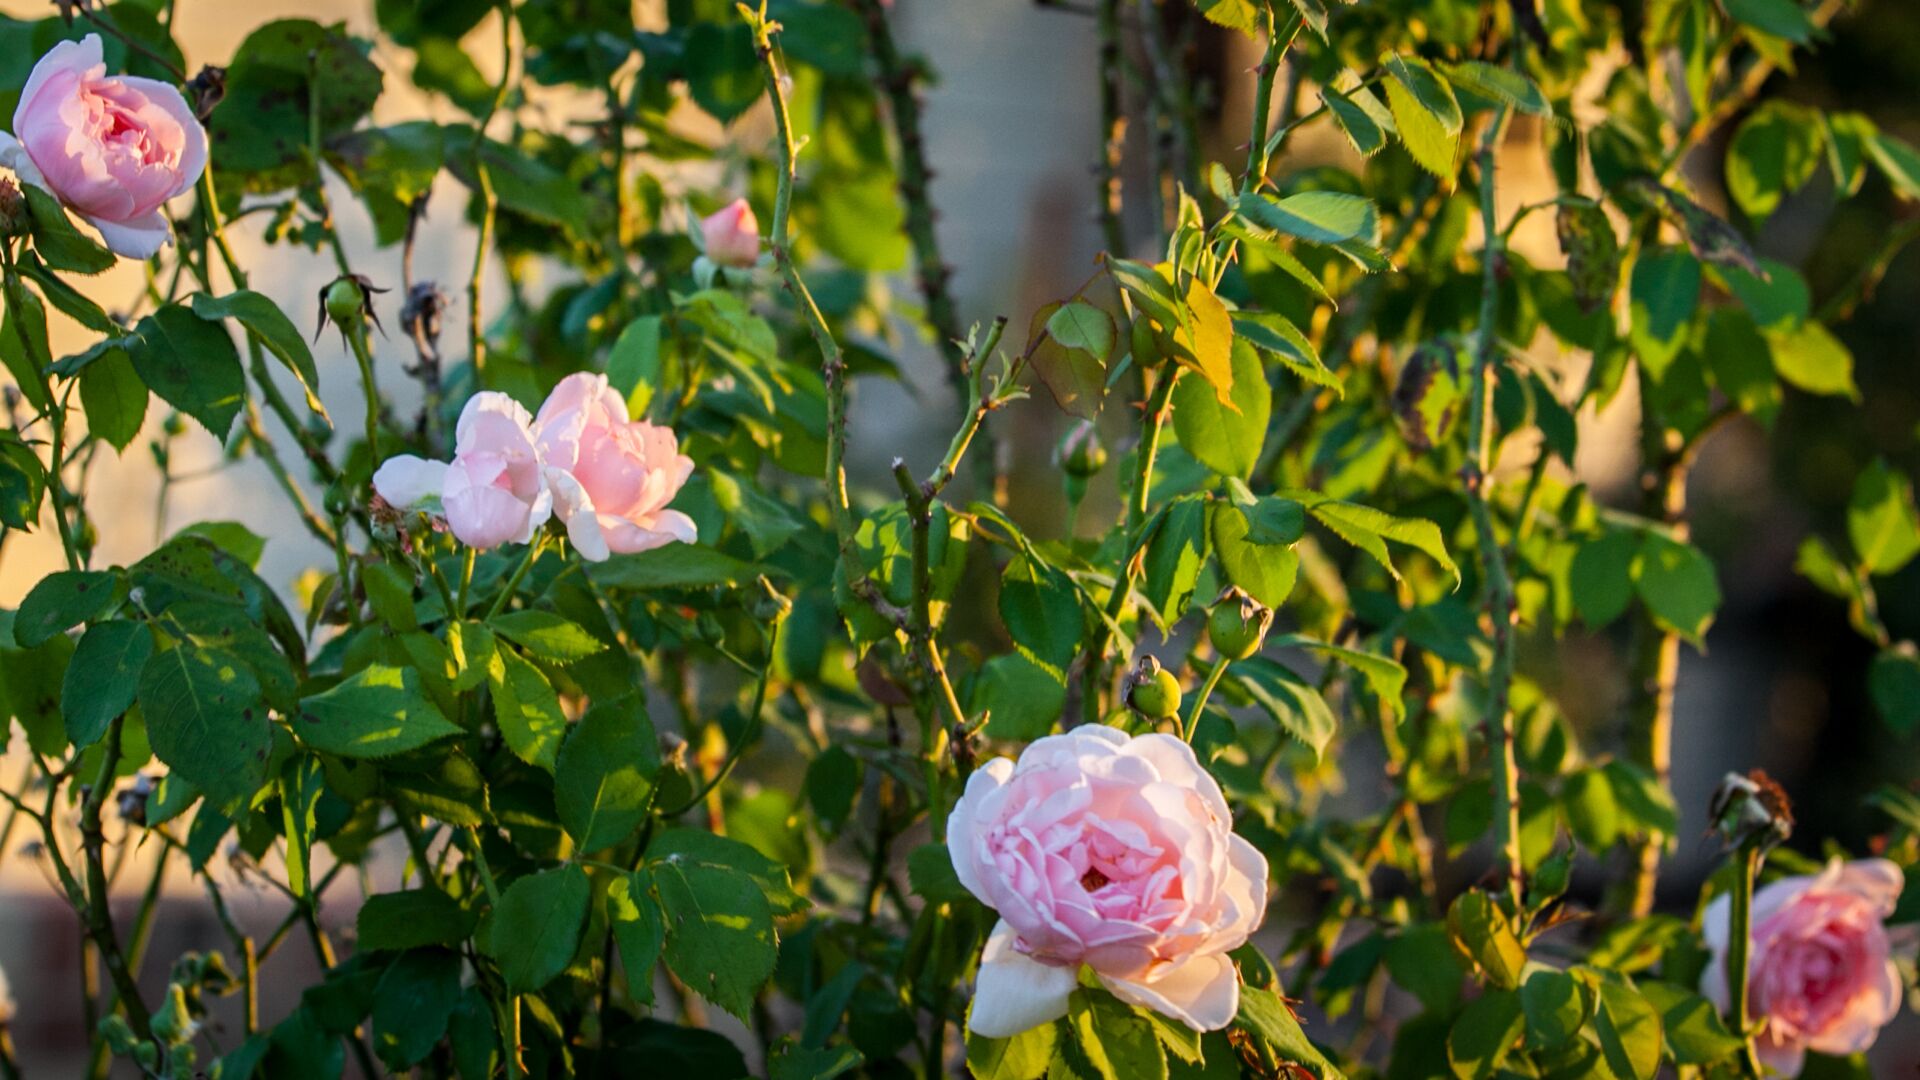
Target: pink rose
x=612, y=477
x=732, y=235
x=1818, y=976
x=1113, y=852
x=114, y=149
x=494, y=492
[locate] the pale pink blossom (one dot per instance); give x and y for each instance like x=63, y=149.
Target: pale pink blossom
x=493, y=492
x=1113, y=852
x=732, y=235
x=113, y=148
x=612, y=476
x=1819, y=976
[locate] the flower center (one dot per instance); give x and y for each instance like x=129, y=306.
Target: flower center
x=1093, y=879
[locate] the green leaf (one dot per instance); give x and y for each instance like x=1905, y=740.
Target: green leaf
x=931, y=876
x=58, y=240
x=114, y=398
x=1386, y=676
x=1882, y=522
x=1742, y=364
x=1676, y=581
x=1283, y=341
x=1266, y=570
x=260, y=132
x=700, y=846
x=1265, y=1015
x=1483, y=1036
x=1774, y=152
x=676, y=566
x=633, y=917
x=1296, y=706
x=1665, y=292
x=1318, y=217
x=412, y=919
x=1628, y=1027
x=791, y=1061
x=1080, y=325
x=1174, y=558
x=1022, y=1057
x=537, y=926
x=390, y=594
x=1601, y=577
x=723, y=74
x=1242, y=15
x=720, y=938
x=1593, y=253
x=300, y=787
x=412, y=1003
x=1361, y=117
x=1486, y=934
x=1226, y=440
x=1113, y=1038
x=1077, y=379
x=1422, y=960
x=1041, y=611
x=377, y=712
x=191, y=364
x=207, y=721
x=1504, y=85
x=832, y=784
x=103, y=678
x=62, y=600
x=1425, y=113
x=1020, y=696
x=1555, y=1007
x=1898, y=161
x=268, y=325
x=526, y=709
x=1812, y=359
x=604, y=773
x=546, y=635
x=1692, y=1026
x=1781, y=18
x=634, y=366
x=62, y=295
x=1368, y=529
x=1893, y=681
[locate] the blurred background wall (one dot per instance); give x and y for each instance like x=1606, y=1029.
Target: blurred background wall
x=1013, y=136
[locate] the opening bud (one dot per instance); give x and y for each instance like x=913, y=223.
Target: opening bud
x=1751, y=810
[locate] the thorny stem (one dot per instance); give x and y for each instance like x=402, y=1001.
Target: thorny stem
x=1739, y=948
x=99, y=914
x=1200, y=699
x=56, y=413
x=1159, y=404
x=1113, y=129
x=363, y=355
x=513, y=583
x=1498, y=585
x=898, y=77
x=489, y=202
x=833, y=365
x=1279, y=39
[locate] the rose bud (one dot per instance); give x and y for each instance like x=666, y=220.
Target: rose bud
x=731, y=236
x=1152, y=691
x=1080, y=452
x=1751, y=809
x=1238, y=624
x=13, y=209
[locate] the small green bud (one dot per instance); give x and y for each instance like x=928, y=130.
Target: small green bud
x=118, y=1033
x=347, y=302
x=173, y=1021
x=13, y=210
x=1080, y=453
x=1238, y=624
x=1152, y=691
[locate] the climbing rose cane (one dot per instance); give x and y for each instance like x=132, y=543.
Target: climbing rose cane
x=1113, y=852
x=494, y=492
x=612, y=477
x=115, y=149
x=1819, y=976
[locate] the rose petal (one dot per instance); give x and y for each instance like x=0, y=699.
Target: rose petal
x=1202, y=992
x=407, y=481
x=1015, y=993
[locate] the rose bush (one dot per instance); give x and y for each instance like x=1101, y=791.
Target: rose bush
x=628, y=684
